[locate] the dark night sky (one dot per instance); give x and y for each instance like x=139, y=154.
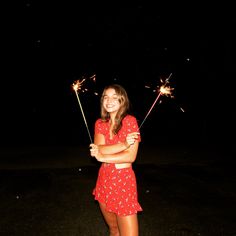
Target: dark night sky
x=46, y=46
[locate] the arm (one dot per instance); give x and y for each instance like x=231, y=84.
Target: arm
x=118, y=153
x=99, y=140
x=125, y=156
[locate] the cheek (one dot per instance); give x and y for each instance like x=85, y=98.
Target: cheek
x=118, y=105
x=103, y=102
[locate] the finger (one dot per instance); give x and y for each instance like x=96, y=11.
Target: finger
x=93, y=146
x=135, y=133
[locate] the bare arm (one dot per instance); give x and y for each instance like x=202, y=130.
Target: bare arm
x=99, y=140
x=126, y=156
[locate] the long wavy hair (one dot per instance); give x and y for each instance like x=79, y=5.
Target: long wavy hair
x=124, y=106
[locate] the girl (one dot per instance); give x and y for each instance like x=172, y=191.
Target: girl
x=116, y=142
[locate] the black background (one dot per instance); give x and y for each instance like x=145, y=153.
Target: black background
x=47, y=45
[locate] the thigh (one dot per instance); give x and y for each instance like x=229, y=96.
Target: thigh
x=128, y=225
x=109, y=217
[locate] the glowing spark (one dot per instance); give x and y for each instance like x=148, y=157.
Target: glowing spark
x=166, y=90
x=77, y=85
x=93, y=77
x=163, y=90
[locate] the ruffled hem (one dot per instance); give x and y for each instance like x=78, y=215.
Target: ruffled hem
x=126, y=211
x=130, y=209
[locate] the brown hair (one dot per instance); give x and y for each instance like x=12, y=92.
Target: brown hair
x=124, y=106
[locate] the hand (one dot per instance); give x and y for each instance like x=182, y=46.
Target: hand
x=93, y=149
x=131, y=138
x=94, y=152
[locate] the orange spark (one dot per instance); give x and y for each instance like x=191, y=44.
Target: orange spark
x=78, y=84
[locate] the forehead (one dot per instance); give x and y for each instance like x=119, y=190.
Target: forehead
x=110, y=92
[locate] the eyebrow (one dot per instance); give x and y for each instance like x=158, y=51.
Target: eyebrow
x=105, y=95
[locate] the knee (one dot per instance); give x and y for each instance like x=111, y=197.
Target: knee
x=114, y=230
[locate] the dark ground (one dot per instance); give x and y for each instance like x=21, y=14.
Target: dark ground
x=183, y=191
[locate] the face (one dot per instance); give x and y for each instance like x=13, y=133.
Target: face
x=111, y=101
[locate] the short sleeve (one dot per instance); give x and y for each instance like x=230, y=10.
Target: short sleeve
x=131, y=125
x=99, y=127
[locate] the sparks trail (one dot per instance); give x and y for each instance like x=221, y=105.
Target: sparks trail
x=86, y=84
x=77, y=86
x=164, y=90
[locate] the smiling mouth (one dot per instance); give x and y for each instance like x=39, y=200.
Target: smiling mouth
x=109, y=105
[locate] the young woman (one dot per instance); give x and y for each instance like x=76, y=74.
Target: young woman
x=116, y=142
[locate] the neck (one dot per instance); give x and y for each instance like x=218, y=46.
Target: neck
x=112, y=117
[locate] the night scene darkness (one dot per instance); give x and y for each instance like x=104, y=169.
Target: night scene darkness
x=48, y=45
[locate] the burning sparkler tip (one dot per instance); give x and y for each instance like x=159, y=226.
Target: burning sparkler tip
x=77, y=84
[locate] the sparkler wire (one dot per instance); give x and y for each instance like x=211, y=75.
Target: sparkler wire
x=159, y=94
x=83, y=115
x=150, y=109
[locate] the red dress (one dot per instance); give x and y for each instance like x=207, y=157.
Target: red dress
x=117, y=188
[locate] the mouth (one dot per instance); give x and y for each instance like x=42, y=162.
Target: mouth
x=109, y=106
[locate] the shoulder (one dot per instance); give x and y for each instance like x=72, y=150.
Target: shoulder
x=130, y=125
x=100, y=123
x=100, y=126
x=129, y=118
x=130, y=121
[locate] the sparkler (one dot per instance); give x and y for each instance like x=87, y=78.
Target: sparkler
x=77, y=85
x=166, y=90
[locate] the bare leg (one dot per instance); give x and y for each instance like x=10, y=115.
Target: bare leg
x=111, y=220
x=128, y=225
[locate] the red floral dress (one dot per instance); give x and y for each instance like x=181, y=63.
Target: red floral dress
x=117, y=188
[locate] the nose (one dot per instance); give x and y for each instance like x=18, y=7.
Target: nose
x=110, y=100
